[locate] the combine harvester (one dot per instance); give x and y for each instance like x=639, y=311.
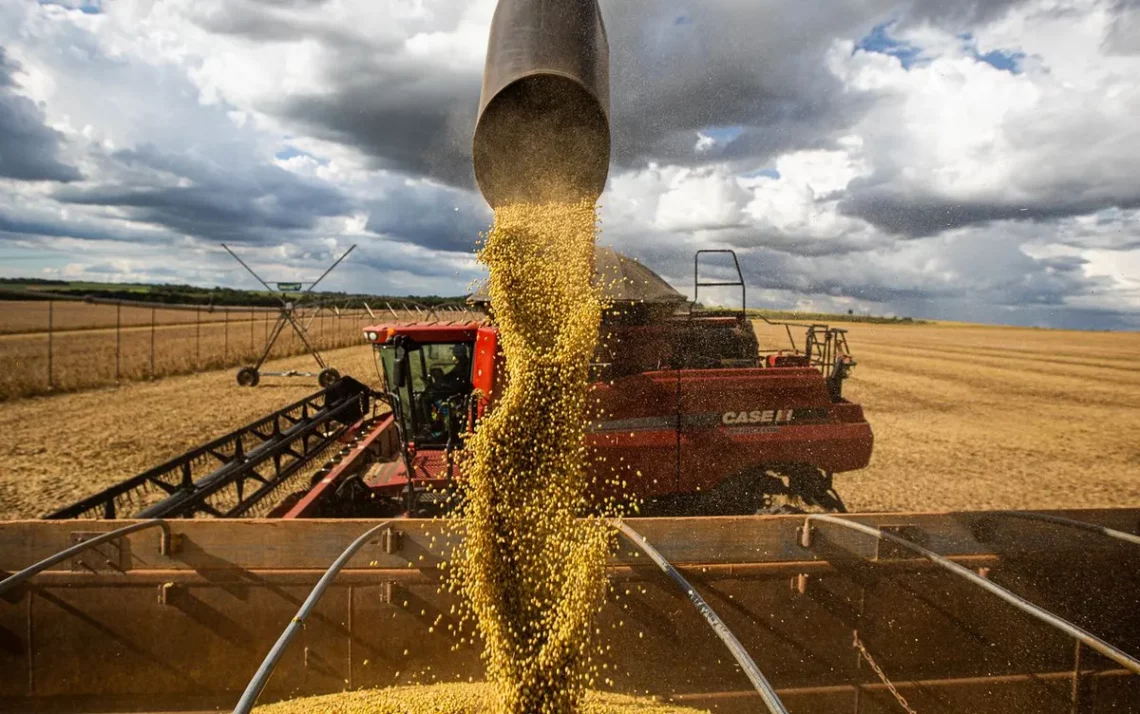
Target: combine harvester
x=290, y=558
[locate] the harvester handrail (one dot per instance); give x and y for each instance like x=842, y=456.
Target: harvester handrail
x=15, y=579
x=265, y=671
x=1083, y=525
x=1084, y=637
x=763, y=687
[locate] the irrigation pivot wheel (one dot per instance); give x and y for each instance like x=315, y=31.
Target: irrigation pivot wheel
x=328, y=376
x=248, y=377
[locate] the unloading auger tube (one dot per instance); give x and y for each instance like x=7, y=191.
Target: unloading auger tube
x=1084, y=637
x=759, y=681
x=542, y=132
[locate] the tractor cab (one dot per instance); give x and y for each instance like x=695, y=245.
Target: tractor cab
x=428, y=373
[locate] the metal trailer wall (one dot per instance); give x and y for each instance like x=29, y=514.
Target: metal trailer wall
x=130, y=629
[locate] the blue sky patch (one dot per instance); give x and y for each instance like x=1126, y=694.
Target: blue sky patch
x=87, y=7
x=723, y=134
x=879, y=41
x=770, y=172
x=1005, y=60
x=290, y=152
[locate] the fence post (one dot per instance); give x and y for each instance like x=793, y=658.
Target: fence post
x=197, y=338
x=118, y=339
x=152, y=312
x=50, y=331
x=226, y=342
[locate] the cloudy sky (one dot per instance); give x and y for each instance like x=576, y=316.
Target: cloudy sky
x=957, y=160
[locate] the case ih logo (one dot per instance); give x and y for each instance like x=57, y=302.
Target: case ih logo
x=772, y=416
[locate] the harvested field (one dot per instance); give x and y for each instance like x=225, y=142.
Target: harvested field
x=58, y=449
x=971, y=417
x=965, y=417
x=22, y=316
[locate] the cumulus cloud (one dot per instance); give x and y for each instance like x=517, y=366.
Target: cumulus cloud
x=958, y=140
x=29, y=150
x=199, y=197
x=968, y=160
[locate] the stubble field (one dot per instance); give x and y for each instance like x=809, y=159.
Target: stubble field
x=95, y=345
x=965, y=417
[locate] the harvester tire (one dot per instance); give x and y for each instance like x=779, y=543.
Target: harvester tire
x=328, y=377
x=769, y=489
x=248, y=377
x=800, y=488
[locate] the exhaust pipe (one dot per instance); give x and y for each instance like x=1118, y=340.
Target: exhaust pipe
x=543, y=131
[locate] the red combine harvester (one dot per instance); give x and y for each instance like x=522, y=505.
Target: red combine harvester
x=692, y=416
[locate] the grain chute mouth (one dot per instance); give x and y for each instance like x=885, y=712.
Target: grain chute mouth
x=542, y=133
x=544, y=138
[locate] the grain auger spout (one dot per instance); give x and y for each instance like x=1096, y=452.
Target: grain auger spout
x=543, y=128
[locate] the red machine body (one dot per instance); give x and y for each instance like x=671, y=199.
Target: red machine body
x=683, y=410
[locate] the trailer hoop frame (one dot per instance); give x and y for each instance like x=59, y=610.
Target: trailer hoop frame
x=1071, y=523
x=1036, y=611
x=763, y=687
x=165, y=547
x=265, y=671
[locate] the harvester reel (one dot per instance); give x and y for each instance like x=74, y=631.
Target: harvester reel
x=248, y=377
x=328, y=377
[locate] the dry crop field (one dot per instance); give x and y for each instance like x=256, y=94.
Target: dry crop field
x=965, y=417
x=88, y=350
x=972, y=417
x=57, y=449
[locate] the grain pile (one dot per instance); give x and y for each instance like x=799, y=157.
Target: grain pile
x=451, y=699
x=530, y=571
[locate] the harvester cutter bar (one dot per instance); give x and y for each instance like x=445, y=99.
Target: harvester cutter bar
x=286, y=441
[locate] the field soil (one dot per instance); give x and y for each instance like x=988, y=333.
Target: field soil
x=965, y=417
x=59, y=449
x=970, y=417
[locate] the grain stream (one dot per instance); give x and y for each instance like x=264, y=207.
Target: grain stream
x=531, y=572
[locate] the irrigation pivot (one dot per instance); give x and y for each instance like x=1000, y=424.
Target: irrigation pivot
x=250, y=376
